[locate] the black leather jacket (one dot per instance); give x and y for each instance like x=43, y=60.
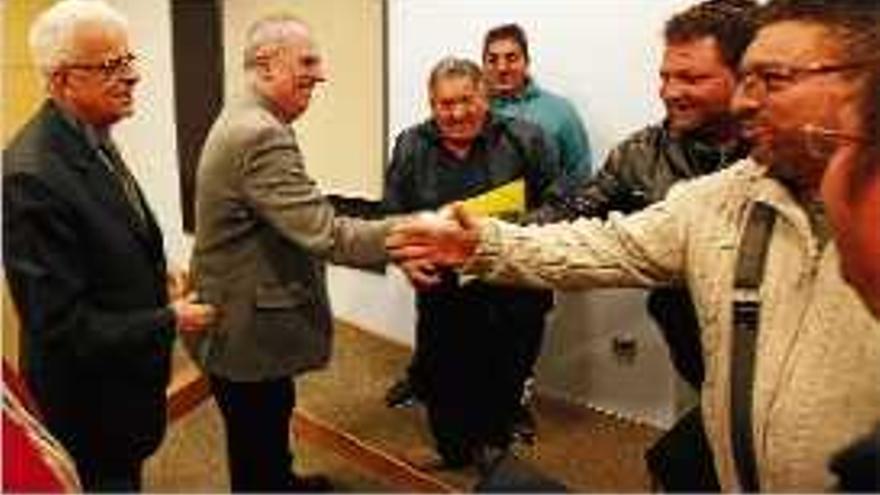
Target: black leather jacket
x=638, y=172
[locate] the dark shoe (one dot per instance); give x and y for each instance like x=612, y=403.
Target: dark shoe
x=315, y=483
x=524, y=425
x=401, y=394
x=487, y=457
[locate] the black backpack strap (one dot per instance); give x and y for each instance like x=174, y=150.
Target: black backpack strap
x=749, y=273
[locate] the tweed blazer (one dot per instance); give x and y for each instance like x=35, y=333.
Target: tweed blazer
x=263, y=231
x=817, y=370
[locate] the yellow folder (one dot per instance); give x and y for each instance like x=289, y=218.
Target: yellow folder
x=506, y=199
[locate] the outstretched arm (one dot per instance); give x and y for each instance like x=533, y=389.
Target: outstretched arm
x=427, y=240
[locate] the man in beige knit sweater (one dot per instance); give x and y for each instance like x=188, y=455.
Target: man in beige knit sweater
x=815, y=386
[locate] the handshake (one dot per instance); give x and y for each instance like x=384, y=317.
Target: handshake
x=423, y=243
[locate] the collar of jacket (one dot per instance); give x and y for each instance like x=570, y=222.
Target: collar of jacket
x=251, y=96
x=699, y=150
x=529, y=92
x=78, y=132
x=94, y=136
x=770, y=191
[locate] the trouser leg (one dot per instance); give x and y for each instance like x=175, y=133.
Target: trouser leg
x=257, y=418
x=110, y=476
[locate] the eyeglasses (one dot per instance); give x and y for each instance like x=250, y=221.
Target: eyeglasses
x=110, y=68
x=839, y=136
x=766, y=79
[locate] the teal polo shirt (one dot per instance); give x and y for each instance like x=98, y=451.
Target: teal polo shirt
x=559, y=119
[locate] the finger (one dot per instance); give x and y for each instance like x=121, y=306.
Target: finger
x=421, y=275
x=398, y=239
x=416, y=227
x=466, y=220
x=411, y=252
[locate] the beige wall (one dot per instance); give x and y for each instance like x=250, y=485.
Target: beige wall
x=147, y=140
x=21, y=94
x=341, y=133
x=21, y=85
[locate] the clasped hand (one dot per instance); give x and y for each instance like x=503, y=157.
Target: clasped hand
x=189, y=315
x=423, y=243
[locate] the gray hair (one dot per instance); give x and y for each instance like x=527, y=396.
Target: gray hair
x=274, y=30
x=450, y=67
x=52, y=33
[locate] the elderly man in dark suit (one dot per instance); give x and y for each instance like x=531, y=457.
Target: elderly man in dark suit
x=84, y=255
x=263, y=230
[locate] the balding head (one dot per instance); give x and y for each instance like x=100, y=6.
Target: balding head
x=282, y=64
x=270, y=34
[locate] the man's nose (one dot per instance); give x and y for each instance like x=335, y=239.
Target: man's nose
x=130, y=74
x=744, y=100
x=319, y=74
x=671, y=90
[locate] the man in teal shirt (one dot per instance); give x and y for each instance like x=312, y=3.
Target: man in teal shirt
x=515, y=93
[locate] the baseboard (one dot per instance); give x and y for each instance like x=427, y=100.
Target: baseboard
x=188, y=389
x=385, y=466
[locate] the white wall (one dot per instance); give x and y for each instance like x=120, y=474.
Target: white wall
x=147, y=140
x=341, y=133
x=604, y=56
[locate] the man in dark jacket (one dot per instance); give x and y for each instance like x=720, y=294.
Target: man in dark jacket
x=699, y=136
x=84, y=255
x=468, y=365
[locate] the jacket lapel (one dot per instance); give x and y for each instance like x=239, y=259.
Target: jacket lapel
x=98, y=178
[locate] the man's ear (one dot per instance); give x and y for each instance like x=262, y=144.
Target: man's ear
x=265, y=61
x=55, y=82
x=265, y=69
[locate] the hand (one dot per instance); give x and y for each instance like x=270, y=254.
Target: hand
x=446, y=239
x=177, y=283
x=422, y=274
x=190, y=316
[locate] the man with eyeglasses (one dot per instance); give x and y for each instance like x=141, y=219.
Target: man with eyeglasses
x=84, y=255
x=791, y=351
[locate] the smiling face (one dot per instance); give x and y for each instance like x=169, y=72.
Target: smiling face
x=506, y=67
x=696, y=85
x=97, y=81
x=793, y=79
x=459, y=107
x=290, y=73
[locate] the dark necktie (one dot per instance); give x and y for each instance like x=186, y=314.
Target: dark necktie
x=123, y=176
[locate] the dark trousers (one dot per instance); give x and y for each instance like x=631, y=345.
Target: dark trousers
x=474, y=350
x=257, y=418
x=682, y=460
x=109, y=476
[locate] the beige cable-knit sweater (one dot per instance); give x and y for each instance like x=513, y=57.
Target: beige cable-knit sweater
x=817, y=379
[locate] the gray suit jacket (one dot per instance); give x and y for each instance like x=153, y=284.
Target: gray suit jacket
x=263, y=230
